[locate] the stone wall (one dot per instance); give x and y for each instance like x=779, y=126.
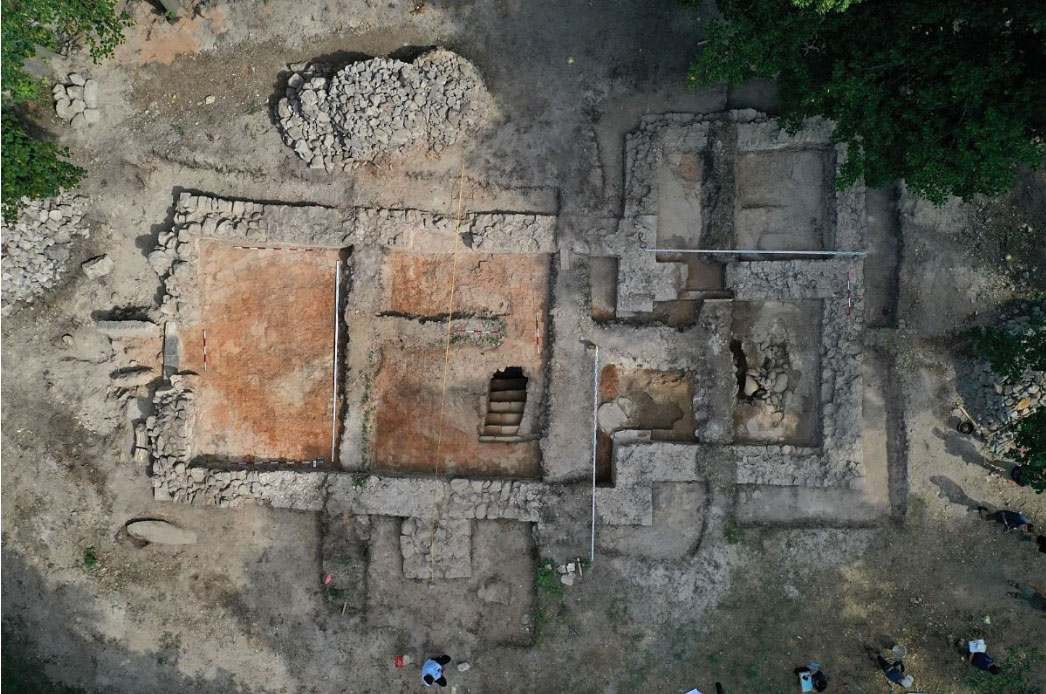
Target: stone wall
x=841, y=357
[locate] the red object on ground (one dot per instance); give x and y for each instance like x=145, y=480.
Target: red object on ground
x=399, y=662
x=327, y=579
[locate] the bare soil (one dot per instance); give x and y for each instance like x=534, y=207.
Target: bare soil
x=267, y=388
x=245, y=609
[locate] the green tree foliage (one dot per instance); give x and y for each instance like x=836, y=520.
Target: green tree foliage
x=50, y=24
x=825, y=5
x=1031, y=444
x=949, y=96
x=1011, y=353
x=32, y=168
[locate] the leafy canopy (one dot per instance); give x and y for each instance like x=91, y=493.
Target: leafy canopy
x=50, y=24
x=32, y=168
x=826, y=5
x=949, y=96
x=1031, y=446
x=1011, y=352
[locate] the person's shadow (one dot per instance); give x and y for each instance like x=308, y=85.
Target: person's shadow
x=953, y=492
x=958, y=445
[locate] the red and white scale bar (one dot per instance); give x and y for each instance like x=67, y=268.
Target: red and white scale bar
x=849, y=295
x=205, y=349
x=537, y=329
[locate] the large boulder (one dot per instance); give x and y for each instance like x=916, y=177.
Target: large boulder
x=160, y=532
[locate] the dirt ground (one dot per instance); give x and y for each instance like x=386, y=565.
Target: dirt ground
x=242, y=610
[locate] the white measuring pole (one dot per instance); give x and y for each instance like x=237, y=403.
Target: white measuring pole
x=746, y=251
x=595, y=424
x=337, y=321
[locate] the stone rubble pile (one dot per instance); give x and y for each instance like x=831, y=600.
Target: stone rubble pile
x=76, y=101
x=380, y=106
x=36, y=248
x=1000, y=401
x=569, y=572
x=769, y=380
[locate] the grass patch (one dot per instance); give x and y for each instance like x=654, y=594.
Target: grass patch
x=733, y=533
x=547, y=598
x=91, y=561
x=547, y=580
x=617, y=614
x=1011, y=680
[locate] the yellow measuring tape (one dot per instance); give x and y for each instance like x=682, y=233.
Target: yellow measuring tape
x=446, y=363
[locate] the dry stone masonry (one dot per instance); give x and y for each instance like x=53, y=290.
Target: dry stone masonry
x=686, y=187
x=681, y=187
x=378, y=107
x=76, y=101
x=37, y=248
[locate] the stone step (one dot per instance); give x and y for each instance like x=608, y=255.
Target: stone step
x=506, y=407
x=508, y=396
x=508, y=384
x=505, y=418
x=499, y=430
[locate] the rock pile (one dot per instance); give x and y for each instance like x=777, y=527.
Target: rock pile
x=380, y=106
x=769, y=381
x=570, y=572
x=76, y=101
x=36, y=249
x=998, y=401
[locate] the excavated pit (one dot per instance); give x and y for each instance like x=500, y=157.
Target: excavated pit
x=462, y=399
x=263, y=350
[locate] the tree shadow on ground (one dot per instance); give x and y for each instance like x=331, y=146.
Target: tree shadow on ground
x=66, y=661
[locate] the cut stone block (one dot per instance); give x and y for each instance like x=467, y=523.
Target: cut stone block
x=128, y=328
x=160, y=532
x=97, y=267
